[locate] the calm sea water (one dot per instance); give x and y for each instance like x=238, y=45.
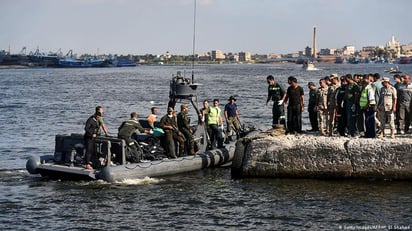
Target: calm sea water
x=37, y=104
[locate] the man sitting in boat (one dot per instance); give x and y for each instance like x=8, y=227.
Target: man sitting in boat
x=183, y=123
x=152, y=118
x=126, y=131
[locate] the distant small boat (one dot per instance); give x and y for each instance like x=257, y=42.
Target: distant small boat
x=301, y=60
x=309, y=66
x=126, y=63
x=353, y=60
x=340, y=60
x=393, y=70
x=70, y=62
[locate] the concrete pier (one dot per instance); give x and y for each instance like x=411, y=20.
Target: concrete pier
x=273, y=154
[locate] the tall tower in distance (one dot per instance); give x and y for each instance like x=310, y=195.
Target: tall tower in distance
x=314, y=43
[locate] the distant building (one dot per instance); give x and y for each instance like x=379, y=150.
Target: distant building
x=204, y=57
x=407, y=49
x=327, y=51
x=232, y=57
x=218, y=55
x=368, y=51
x=292, y=55
x=273, y=56
x=349, y=50
x=393, y=43
x=267, y=58
x=369, y=48
x=245, y=56
x=394, y=46
x=308, y=52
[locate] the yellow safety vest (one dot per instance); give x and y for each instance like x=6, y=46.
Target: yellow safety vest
x=364, y=96
x=214, y=114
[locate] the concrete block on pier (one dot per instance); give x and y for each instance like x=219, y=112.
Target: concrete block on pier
x=272, y=154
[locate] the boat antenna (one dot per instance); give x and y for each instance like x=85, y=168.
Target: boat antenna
x=194, y=41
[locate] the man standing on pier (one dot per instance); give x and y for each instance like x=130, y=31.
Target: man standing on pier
x=295, y=98
x=276, y=93
x=405, y=99
x=351, y=100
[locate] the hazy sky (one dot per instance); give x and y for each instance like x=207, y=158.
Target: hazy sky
x=157, y=26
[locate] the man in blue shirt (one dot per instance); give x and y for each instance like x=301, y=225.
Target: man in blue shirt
x=232, y=116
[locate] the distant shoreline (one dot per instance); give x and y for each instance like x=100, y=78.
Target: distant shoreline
x=14, y=67
x=168, y=64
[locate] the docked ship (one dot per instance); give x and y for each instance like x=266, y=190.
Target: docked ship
x=6, y=58
x=125, y=63
x=41, y=59
x=69, y=62
x=340, y=59
x=404, y=60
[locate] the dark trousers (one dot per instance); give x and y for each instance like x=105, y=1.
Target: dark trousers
x=295, y=118
x=361, y=119
x=404, y=118
x=313, y=117
x=170, y=144
x=209, y=134
x=216, y=135
x=351, y=118
x=278, y=114
x=90, y=149
x=370, y=131
x=190, y=141
x=342, y=121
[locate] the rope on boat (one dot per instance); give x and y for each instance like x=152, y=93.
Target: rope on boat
x=148, y=164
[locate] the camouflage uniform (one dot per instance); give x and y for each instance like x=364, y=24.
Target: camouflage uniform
x=171, y=135
x=322, y=104
x=183, y=122
x=126, y=131
x=330, y=122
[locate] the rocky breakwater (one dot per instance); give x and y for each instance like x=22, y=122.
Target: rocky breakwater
x=273, y=154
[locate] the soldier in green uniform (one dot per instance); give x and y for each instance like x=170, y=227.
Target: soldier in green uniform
x=351, y=99
x=169, y=125
x=126, y=131
x=313, y=114
x=102, y=124
x=183, y=123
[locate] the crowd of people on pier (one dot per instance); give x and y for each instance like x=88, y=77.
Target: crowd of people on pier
x=353, y=105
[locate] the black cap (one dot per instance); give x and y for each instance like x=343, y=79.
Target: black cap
x=311, y=84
